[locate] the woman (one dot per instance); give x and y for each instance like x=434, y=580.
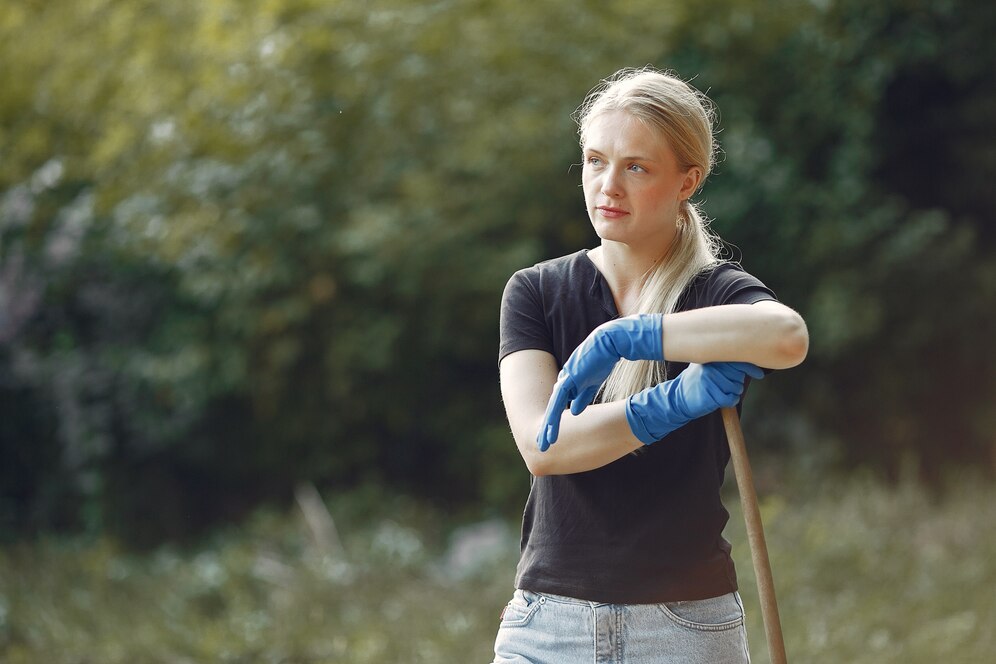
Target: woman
x=623, y=558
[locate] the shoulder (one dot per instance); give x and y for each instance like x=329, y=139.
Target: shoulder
x=535, y=302
x=553, y=274
x=721, y=272
x=556, y=267
x=726, y=283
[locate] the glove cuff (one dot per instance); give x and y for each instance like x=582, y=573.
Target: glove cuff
x=655, y=412
x=651, y=337
x=639, y=337
x=637, y=425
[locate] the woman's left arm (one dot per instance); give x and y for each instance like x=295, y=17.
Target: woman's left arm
x=766, y=333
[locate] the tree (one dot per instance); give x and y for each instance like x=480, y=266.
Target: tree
x=247, y=244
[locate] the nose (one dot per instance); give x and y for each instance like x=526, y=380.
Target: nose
x=612, y=183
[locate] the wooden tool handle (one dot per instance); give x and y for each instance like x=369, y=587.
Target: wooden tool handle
x=755, y=536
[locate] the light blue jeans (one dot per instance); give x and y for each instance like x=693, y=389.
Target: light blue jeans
x=550, y=629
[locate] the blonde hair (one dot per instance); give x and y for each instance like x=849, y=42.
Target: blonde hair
x=684, y=117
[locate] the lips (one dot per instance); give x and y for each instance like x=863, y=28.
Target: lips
x=611, y=212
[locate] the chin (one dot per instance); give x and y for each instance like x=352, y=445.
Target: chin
x=610, y=232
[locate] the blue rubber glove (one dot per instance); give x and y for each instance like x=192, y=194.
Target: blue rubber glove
x=637, y=337
x=698, y=390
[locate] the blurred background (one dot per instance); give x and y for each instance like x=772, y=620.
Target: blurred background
x=251, y=258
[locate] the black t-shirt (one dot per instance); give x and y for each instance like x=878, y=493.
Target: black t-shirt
x=646, y=528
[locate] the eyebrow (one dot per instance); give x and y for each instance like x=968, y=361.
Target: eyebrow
x=629, y=158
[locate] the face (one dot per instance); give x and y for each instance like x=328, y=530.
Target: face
x=633, y=184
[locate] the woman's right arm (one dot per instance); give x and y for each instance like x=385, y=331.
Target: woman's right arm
x=596, y=437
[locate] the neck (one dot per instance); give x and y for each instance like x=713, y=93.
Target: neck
x=624, y=269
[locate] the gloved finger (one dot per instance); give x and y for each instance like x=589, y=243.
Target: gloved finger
x=550, y=426
x=727, y=379
x=726, y=376
x=731, y=399
x=751, y=370
x=730, y=370
x=721, y=395
x=737, y=371
x=583, y=400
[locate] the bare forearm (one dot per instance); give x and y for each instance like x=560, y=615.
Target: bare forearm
x=767, y=334
x=596, y=437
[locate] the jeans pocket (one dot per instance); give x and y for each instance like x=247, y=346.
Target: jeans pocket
x=520, y=609
x=715, y=614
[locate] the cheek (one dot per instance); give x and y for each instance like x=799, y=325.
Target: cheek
x=589, y=189
x=661, y=197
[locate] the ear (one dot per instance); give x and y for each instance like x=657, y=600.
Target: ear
x=693, y=178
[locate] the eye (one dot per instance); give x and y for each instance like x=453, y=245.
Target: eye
x=594, y=161
x=636, y=168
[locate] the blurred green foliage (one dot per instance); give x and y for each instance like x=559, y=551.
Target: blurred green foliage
x=244, y=244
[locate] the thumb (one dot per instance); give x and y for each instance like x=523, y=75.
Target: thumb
x=749, y=369
x=584, y=399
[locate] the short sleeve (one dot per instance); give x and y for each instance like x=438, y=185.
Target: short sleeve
x=730, y=284
x=522, y=323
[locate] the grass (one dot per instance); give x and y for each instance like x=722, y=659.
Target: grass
x=864, y=574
